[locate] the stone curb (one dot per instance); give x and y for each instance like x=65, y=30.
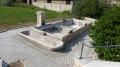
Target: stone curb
x=52, y=48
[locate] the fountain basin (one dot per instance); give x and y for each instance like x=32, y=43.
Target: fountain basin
x=55, y=35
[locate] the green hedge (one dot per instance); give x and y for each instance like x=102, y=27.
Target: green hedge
x=106, y=31
x=6, y=2
x=89, y=8
x=20, y=1
x=0, y=2
x=10, y=2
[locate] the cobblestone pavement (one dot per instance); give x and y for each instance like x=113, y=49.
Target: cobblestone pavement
x=14, y=48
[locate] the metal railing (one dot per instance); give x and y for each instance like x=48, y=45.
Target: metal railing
x=95, y=47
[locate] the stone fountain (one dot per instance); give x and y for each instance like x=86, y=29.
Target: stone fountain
x=54, y=35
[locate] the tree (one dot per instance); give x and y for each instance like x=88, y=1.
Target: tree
x=106, y=31
x=20, y=1
x=9, y=2
x=5, y=2
x=89, y=8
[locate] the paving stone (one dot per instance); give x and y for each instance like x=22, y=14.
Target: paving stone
x=14, y=48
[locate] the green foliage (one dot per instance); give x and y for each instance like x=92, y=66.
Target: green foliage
x=67, y=13
x=89, y=8
x=5, y=2
x=106, y=31
x=11, y=2
x=25, y=1
x=20, y=3
x=0, y=2
x=23, y=5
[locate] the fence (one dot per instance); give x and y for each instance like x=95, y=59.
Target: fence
x=95, y=47
x=54, y=7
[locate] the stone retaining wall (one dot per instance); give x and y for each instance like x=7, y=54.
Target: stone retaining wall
x=51, y=6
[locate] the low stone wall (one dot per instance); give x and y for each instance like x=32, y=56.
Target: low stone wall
x=51, y=6
x=76, y=32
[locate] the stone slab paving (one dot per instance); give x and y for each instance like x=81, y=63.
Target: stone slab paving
x=14, y=48
x=0, y=62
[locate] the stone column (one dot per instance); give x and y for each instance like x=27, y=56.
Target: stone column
x=40, y=18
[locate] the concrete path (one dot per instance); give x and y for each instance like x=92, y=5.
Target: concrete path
x=14, y=48
x=98, y=63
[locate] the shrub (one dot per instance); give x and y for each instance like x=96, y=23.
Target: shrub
x=23, y=5
x=67, y=13
x=106, y=31
x=5, y=2
x=12, y=2
x=90, y=8
x=0, y=2
x=18, y=1
x=25, y=1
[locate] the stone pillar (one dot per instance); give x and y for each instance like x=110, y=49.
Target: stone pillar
x=40, y=18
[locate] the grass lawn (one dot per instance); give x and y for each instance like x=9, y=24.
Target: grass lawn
x=11, y=17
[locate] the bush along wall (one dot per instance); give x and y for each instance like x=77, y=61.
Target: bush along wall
x=0, y=2
x=106, y=31
x=89, y=8
x=5, y=2
x=11, y=2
